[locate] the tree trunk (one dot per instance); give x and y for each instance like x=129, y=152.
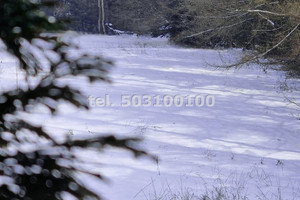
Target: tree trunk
x=101, y=20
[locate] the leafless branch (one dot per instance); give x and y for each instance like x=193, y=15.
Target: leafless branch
x=271, y=3
x=269, y=50
x=268, y=30
x=293, y=102
x=219, y=28
x=266, y=12
x=235, y=15
x=268, y=20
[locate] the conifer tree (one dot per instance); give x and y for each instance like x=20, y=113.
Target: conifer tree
x=33, y=164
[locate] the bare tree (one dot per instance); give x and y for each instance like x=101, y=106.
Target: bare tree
x=271, y=28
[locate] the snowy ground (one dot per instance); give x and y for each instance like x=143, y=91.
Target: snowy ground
x=247, y=144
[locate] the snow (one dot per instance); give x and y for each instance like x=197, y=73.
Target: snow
x=248, y=143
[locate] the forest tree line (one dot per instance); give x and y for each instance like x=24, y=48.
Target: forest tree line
x=268, y=26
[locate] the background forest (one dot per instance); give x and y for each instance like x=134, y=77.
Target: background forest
x=270, y=27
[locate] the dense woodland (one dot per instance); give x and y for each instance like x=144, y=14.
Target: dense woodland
x=271, y=27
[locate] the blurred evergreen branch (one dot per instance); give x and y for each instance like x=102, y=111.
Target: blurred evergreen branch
x=34, y=165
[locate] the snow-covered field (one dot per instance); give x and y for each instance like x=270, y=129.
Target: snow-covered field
x=246, y=145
